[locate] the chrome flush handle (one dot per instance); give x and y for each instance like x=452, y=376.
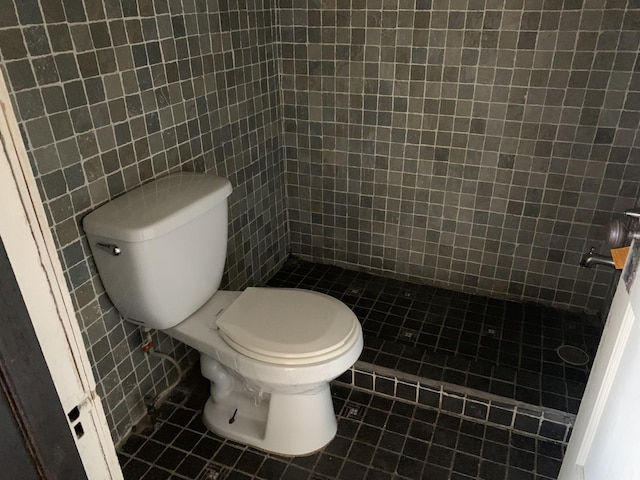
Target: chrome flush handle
x=109, y=248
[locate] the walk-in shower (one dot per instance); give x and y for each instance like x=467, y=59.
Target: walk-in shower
x=499, y=347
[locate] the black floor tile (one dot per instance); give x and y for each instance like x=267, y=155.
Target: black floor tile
x=228, y=455
x=207, y=447
x=250, y=462
x=133, y=443
x=134, y=468
x=167, y=433
x=170, y=458
x=156, y=473
x=150, y=451
x=191, y=467
x=384, y=438
x=351, y=470
x=186, y=440
x=272, y=468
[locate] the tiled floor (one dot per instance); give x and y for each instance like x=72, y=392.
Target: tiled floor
x=378, y=438
x=496, y=346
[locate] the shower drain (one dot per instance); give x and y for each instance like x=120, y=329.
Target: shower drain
x=572, y=355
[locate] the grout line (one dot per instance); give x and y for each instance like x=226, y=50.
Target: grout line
x=542, y=417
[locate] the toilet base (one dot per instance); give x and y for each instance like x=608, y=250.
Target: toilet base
x=283, y=424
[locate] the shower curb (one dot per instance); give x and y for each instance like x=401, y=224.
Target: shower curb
x=532, y=420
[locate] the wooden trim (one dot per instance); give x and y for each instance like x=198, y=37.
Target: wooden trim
x=30, y=247
x=31, y=251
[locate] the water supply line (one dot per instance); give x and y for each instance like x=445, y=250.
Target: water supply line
x=147, y=347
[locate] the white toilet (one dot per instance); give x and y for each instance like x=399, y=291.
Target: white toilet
x=269, y=353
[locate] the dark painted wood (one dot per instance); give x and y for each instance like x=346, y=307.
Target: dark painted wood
x=17, y=461
x=38, y=441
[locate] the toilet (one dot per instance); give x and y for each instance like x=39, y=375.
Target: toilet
x=269, y=353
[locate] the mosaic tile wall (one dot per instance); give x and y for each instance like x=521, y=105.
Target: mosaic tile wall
x=479, y=145
x=112, y=94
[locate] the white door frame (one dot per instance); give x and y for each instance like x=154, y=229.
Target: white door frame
x=608, y=368
x=31, y=249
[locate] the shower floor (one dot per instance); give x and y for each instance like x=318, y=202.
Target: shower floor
x=379, y=438
x=496, y=346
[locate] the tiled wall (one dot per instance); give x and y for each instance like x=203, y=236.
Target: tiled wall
x=112, y=94
x=474, y=144
x=478, y=145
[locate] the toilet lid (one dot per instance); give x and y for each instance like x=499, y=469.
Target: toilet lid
x=287, y=326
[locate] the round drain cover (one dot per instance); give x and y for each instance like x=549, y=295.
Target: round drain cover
x=572, y=355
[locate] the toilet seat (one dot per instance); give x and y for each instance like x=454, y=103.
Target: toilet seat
x=318, y=327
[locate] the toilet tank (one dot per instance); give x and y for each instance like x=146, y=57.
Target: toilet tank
x=160, y=248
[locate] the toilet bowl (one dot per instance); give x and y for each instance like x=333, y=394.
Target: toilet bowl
x=276, y=403
x=269, y=353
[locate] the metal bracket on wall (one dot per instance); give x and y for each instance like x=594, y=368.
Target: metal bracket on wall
x=633, y=212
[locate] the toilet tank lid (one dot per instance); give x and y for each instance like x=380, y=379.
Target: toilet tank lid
x=157, y=207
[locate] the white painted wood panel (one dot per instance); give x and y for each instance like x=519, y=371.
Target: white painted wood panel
x=605, y=441
x=31, y=250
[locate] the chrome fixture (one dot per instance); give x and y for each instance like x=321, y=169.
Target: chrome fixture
x=591, y=259
x=618, y=235
x=633, y=212
x=109, y=248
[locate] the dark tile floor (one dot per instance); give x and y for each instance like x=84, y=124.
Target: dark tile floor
x=378, y=438
x=497, y=346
